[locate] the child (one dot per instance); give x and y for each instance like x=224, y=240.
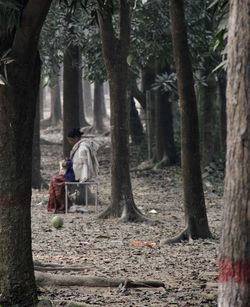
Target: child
x=66, y=169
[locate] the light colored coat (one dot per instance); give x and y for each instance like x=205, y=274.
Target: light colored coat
x=85, y=164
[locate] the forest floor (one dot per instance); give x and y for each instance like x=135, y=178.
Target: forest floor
x=103, y=247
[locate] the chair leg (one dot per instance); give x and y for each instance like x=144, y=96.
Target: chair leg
x=66, y=198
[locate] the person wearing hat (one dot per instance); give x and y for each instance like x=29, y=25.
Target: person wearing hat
x=82, y=166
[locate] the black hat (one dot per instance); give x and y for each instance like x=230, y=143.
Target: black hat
x=75, y=133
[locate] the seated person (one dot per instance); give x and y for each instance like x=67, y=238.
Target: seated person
x=66, y=169
x=81, y=166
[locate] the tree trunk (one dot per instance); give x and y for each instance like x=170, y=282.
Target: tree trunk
x=234, y=259
x=122, y=201
x=138, y=94
x=165, y=151
x=209, y=129
x=208, y=119
x=103, y=103
x=135, y=125
x=41, y=100
x=17, y=112
x=56, y=110
x=194, y=202
x=18, y=104
x=82, y=120
x=97, y=110
x=36, y=152
x=87, y=97
x=223, y=116
x=148, y=78
x=70, y=94
x=15, y=207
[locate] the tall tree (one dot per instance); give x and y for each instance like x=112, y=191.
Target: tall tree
x=36, y=151
x=135, y=125
x=55, y=110
x=97, y=107
x=122, y=201
x=87, y=97
x=41, y=99
x=234, y=260
x=82, y=119
x=70, y=93
x=18, y=97
x=223, y=116
x=165, y=151
x=194, y=202
x=103, y=102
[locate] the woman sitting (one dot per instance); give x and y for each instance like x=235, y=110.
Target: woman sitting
x=81, y=166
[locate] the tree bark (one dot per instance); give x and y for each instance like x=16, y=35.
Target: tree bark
x=148, y=78
x=87, y=97
x=194, y=202
x=70, y=94
x=56, y=110
x=223, y=116
x=82, y=119
x=18, y=101
x=36, y=152
x=165, y=151
x=208, y=99
x=234, y=256
x=208, y=148
x=97, y=108
x=122, y=201
x=135, y=125
x=41, y=100
x=103, y=102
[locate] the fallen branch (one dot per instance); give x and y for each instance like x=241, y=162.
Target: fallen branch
x=56, y=267
x=47, y=279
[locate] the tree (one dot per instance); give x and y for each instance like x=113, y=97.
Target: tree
x=18, y=97
x=122, y=201
x=87, y=98
x=165, y=151
x=223, y=116
x=194, y=202
x=36, y=151
x=97, y=107
x=82, y=120
x=56, y=114
x=70, y=94
x=135, y=125
x=234, y=258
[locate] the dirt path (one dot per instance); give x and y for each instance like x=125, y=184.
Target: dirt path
x=103, y=247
